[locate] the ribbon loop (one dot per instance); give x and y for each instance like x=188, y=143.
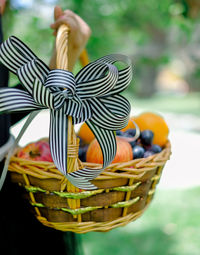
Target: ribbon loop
x=98, y=79
x=91, y=96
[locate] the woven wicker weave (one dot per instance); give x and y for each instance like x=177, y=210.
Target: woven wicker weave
x=125, y=189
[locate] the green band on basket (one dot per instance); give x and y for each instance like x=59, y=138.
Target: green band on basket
x=81, y=210
x=35, y=189
x=37, y=204
x=127, y=188
x=81, y=195
x=90, y=208
x=125, y=203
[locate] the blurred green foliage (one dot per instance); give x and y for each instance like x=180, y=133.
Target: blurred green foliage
x=153, y=33
x=149, y=31
x=170, y=226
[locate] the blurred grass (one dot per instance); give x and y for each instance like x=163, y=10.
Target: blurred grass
x=170, y=226
x=183, y=104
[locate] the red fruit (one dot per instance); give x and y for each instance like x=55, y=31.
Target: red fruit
x=124, y=152
x=38, y=151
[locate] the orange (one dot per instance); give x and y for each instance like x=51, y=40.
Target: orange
x=155, y=123
x=129, y=126
x=85, y=133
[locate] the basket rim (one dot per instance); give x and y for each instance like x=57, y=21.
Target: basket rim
x=165, y=150
x=133, y=168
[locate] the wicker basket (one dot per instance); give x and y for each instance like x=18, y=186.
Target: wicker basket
x=124, y=189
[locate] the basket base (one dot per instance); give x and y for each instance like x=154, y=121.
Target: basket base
x=85, y=227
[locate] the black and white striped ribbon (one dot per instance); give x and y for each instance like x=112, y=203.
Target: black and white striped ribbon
x=91, y=96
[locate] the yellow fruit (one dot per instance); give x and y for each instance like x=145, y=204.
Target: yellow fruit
x=85, y=133
x=155, y=123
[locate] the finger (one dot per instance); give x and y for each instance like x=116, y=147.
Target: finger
x=56, y=24
x=69, y=13
x=57, y=12
x=2, y=6
x=70, y=22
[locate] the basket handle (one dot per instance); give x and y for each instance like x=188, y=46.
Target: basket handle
x=62, y=49
x=73, y=163
x=62, y=63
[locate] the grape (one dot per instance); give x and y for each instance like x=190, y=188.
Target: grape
x=82, y=153
x=146, y=137
x=130, y=132
x=138, y=152
x=119, y=133
x=148, y=153
x=133, y=143
x=81, y=142
x=156, y=148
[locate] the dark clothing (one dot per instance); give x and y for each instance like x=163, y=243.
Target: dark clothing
x=20, y=232
x=4, y=119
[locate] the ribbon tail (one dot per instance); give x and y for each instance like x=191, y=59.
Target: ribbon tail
x=80, y=182
x=58, y=139
x=58, y=146
x=107, y=142
x=5, y=169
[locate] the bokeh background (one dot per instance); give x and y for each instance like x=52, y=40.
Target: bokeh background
x=163, y=40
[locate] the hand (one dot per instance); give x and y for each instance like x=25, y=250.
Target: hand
x=2, y=6
x=78, y=35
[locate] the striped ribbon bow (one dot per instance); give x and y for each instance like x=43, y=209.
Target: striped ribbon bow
x=92, y=96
